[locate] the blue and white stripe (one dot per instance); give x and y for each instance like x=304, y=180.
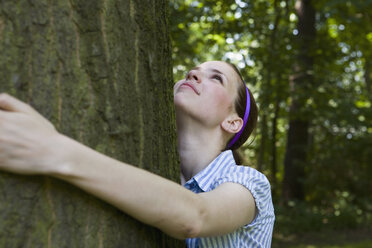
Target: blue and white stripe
x=224, y=169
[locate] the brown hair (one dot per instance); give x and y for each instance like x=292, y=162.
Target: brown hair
x=240, y=105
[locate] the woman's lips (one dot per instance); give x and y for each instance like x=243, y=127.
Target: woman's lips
x=192, y=87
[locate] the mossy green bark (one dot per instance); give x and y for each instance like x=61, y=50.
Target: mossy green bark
x=100, y=70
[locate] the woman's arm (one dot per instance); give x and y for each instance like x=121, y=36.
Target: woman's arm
x=29, y=145
x=145, y=196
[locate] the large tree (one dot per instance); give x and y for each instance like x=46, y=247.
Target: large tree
x=300, y=83
x=100, y=70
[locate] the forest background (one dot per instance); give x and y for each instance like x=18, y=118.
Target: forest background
x=309, y=64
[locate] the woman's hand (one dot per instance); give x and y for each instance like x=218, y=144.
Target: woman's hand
x=26, y=138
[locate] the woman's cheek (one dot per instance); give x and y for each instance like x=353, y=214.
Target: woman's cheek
x=217, y=106
x=223, y=100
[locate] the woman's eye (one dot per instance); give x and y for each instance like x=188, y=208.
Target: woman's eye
x=218, y=77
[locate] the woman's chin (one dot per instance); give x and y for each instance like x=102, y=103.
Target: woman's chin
x=180, y=100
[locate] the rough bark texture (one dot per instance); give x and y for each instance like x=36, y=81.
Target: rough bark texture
x=100, y=70
x=301, y=81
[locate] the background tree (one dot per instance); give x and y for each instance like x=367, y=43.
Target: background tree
x=300, y=82
x=101, y=72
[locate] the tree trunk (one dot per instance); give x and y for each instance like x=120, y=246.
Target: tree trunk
x=100, y=70
x=300, y=81
x=262, y=150
x=273, y=147
x=367, y=77
x=274, y=56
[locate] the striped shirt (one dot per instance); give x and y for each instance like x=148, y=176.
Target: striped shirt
x=224, y=169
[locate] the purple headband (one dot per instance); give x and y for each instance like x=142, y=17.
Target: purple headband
x=245, y=119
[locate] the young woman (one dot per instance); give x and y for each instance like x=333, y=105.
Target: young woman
x=220, y=204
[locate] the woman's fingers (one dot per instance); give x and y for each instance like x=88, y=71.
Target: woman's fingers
x=12, y=104
x=26, y=143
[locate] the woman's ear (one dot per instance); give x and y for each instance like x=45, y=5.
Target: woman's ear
x=232, y=124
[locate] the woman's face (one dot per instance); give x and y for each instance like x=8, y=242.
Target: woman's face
x=208, y=92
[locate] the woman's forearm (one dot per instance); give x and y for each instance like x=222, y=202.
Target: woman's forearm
x=145, y=196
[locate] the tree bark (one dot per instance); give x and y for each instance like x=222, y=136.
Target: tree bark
x=100, y=70
x=300, y=81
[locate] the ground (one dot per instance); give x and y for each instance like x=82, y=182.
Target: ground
x=360, y=238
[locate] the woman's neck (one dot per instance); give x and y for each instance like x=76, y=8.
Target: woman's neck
x=197, y=147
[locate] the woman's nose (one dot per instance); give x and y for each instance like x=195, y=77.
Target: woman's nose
x=194, y=76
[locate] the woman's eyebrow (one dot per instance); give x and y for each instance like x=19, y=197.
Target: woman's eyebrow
x=217, y=71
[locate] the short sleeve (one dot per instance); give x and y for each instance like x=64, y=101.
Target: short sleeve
x=255, y=182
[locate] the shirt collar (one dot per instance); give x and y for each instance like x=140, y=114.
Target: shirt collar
x=206, y=177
